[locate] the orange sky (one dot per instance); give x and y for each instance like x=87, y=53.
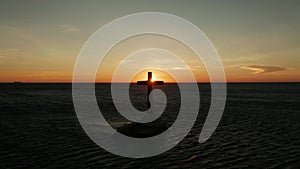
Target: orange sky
x=257, y=41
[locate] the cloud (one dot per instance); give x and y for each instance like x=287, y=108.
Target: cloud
x=263, y=69
x=179, y=68
x=8, y=52
x=2, y=55
x=69, y=28
x=26, y=35
x=13, y=50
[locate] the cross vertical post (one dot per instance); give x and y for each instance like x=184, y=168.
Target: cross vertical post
x=149, y=88
x=150, y=84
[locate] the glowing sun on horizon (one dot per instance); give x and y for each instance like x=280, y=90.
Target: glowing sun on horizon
x=157, y=75
x=153, y=79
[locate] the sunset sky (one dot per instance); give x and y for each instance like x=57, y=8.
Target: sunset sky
x=258, y=41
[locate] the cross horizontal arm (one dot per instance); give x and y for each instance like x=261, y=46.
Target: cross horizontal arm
x=150, y=83
x=158, y=82
x=142, y=82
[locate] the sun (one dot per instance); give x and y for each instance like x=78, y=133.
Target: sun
x=153, y=79
x=157, y=75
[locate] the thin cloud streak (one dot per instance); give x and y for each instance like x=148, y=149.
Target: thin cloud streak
x=3, y=55
x=263, y=69
x=69, y=28
x=9, y=52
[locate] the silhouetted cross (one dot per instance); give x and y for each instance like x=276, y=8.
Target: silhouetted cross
x=150, y=83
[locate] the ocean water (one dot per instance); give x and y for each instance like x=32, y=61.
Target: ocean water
x=259, y=129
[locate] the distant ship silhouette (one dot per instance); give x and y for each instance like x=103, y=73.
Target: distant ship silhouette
x=143, y=130
x=17, y=82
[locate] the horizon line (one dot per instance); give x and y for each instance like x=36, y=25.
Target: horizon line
x=17, y=82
